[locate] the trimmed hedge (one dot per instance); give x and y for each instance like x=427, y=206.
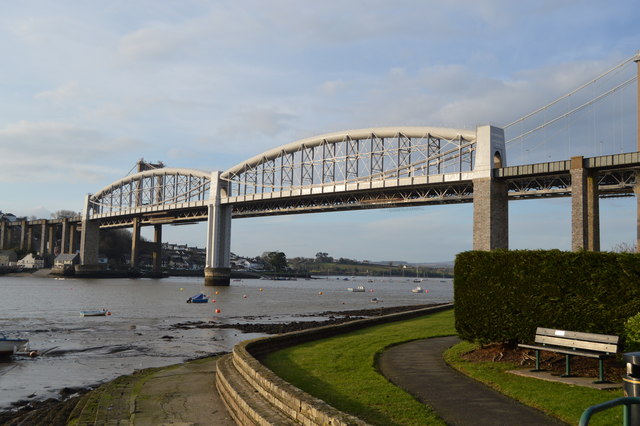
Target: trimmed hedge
x=504, y=295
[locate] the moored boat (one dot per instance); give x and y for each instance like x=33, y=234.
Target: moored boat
x=417, y=290
x=198, y=298
x=10, y=346
x=358, y=289
x=95, y=313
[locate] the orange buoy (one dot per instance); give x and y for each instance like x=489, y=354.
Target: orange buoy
x=213, y=300
x=244, y=296
x=108, y=313
x=217, y=292
x=217, y=311
x=320, y=293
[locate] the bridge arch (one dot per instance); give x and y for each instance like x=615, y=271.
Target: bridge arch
x=152, y=189
x=355, y=156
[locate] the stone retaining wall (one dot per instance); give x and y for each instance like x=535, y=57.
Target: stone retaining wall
x=253, y=394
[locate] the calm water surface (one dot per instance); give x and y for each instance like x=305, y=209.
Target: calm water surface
x=139, y=333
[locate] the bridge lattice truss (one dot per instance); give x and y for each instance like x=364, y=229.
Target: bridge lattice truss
x=357, y=156
x=152, y=191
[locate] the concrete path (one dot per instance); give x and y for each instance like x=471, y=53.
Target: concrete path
x=418, y=367
x=185, y=395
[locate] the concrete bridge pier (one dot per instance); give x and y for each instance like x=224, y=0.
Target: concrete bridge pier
x=490, y=197
x=157, y=248
x=51, y=231
x=43, y=238
x=585, y=207
x=217, y=271
x=72, y=246
x=89, y=243
x=135, y=243
x=64, y=236
x=23, y=235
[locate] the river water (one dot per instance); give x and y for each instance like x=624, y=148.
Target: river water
x=81, y=351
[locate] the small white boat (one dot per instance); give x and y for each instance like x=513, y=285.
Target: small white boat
x=9, y=346
x=96, y=313
x=418, y=290
x=359, y=289
x=376, y=300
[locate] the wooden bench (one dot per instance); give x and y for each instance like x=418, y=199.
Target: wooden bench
x=600, y=346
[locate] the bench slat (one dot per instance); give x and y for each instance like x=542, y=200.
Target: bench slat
x=578, y=344
x=593, y=337
x=569, y=351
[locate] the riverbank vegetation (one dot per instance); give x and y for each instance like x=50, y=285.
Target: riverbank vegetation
x=503, y=296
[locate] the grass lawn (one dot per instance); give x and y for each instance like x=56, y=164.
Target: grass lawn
x=341, y=371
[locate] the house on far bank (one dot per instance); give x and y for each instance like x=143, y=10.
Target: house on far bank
x=64, y=263
x=8, y=258
x=31, y=261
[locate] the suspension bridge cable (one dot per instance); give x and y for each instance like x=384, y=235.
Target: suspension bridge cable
x=584, y=105
x=634, y=57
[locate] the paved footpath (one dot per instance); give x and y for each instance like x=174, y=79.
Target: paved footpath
x=418, y=368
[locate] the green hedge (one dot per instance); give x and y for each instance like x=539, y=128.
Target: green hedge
x=504, y=295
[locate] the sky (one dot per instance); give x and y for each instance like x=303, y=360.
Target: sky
x=89, y=88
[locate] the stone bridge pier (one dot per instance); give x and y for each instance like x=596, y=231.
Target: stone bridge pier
x=217, y=271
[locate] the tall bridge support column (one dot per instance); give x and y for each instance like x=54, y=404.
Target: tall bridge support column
x=157, y=248
x=23, y=235
x=43, y=238
x=217, y=271
x=135, y=243
x=72, y=238
x=490, y=197
x=64, y=235
x=29, y=238
x=51, y=230
x=585, y=208
x=89, y=242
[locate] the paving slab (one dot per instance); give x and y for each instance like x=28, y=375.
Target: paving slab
x=418, y=368
x=586, y=382
x=183, y=395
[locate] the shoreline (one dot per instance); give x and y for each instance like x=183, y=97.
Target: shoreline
x=69, y=397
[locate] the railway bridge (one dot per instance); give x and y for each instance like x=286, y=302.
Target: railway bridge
x=357, y=169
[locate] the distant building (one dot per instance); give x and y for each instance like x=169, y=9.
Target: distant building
x=64, y=264
x=8, y=258
x=67, y=259
x=8, y=217
x=31, y=261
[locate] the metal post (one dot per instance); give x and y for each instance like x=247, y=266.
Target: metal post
x=636, y=188
x=567, y=365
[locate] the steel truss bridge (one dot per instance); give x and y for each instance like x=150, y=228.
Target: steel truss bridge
x=361, y=169
x=358, y=169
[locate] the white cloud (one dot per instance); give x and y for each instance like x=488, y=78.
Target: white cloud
x=56, y=152
x=66, y=92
